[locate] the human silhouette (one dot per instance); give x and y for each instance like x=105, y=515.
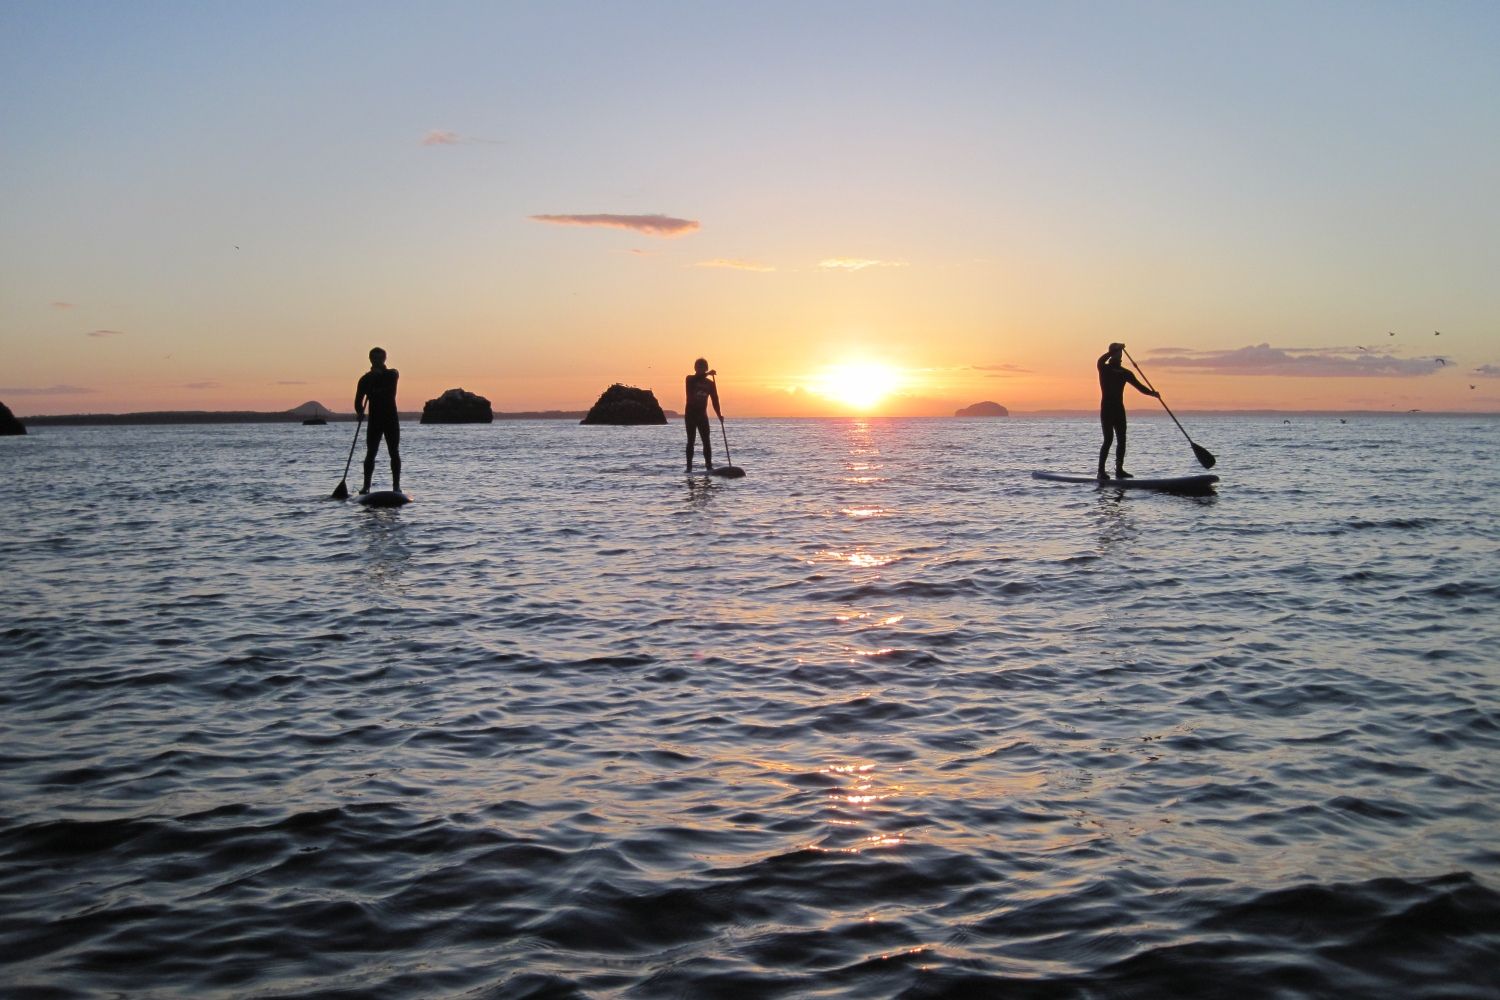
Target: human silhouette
x=1113, y=377
x=700, y=391
x=378, y=386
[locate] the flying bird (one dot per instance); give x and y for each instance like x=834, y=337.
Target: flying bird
x=1391, y=332
x=1441, y=361
x=1473, y=387
x=1437, y=333
x=1364, y=348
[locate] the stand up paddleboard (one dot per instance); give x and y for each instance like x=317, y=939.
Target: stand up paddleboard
x=384, y=498
x=1202, y=483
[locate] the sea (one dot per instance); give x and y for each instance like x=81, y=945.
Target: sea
x=885, y=718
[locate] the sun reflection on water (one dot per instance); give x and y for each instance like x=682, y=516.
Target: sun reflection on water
x=859, y=560
x=862, y=512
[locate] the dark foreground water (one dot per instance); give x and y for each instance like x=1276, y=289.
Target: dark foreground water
x=886, y=718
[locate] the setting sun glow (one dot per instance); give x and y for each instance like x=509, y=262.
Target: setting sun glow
x=859, y=385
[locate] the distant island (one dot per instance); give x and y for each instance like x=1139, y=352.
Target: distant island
x=985, y=409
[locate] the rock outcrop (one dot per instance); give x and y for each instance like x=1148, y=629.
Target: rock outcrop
x=624, y=404
x=458, y=406
x=985, y=409
x=8, y=422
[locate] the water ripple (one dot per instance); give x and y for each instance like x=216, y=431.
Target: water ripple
x=866, y=723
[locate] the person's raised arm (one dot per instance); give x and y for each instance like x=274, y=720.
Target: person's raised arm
x=1130, y=377
x=713, y=393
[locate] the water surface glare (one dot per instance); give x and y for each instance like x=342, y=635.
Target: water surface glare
x=885, y=718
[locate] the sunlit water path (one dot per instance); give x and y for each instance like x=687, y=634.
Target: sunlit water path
x=884, y=718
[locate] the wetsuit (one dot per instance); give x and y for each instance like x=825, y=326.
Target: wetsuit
x=700, y=390
x=1112, y=381
x=379, y=386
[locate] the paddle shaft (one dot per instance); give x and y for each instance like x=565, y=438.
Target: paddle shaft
x=725, y=436
x=722, y=433
x=1205, y=457
x=1163, y=402
x=342, y=487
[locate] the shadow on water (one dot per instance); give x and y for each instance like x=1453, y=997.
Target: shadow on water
x=386, y=551
x=700, y=490
x=1114, y=522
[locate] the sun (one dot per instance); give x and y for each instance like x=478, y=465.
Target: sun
x=859, y=385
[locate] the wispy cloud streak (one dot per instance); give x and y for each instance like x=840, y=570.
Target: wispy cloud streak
x=736, y=265
x=650, y=225
x=105, y=333
x=51, y=390
x=856, y=263
x=1295, y=362
x=443, y=137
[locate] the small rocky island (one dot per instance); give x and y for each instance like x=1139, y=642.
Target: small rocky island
x=985, y=409
x=8, y=422
x=625, y=405
x=458, y=406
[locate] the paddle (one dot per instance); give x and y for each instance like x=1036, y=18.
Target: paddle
x=341, y=491
x=1205, y=457
x=730, y=471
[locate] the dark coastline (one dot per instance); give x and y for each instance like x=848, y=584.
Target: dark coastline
x=159, y=417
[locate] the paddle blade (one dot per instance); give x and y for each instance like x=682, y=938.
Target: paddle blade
x=341, y=491
x=1205, y=457
x=730, y=472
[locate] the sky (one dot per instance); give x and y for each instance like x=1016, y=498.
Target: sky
x=885, y=208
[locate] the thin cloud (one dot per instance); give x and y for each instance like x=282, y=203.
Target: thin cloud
x=200, y=385
x=1488, y=371
x=290, y=381
x=856, y=263
x=1002, y=371
x=650, y=225
x=443, y=137
x=1296, y=362
x=51, y=390
x=62, y=305
x=735, y=265
x=105, y=333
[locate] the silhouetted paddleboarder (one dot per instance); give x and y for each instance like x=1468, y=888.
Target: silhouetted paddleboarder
x=701, y=390
x=378, y=385
x=1113, y=377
